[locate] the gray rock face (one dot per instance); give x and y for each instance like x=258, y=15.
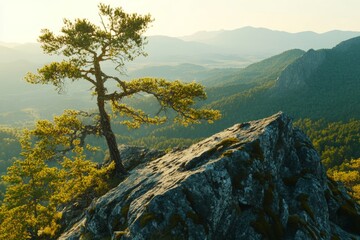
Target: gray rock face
x=256, y=180
x=133, y=156
x=295, y=75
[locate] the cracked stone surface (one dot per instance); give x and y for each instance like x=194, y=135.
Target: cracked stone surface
x=256, y=180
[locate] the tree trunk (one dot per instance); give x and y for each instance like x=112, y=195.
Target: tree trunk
x=110, y=137
x=105, y=120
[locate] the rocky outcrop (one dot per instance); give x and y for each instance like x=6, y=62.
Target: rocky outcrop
x=133, y=156
x=295, y=75
x=256, y=180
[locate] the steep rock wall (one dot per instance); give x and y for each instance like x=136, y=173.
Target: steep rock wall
x=256, y=180
x=295, y=75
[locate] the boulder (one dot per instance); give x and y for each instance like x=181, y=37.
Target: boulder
x=256, y=180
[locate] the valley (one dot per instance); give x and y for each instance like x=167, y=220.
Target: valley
x=307, y=79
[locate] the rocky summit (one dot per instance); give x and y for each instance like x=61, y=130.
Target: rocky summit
x=256, y=180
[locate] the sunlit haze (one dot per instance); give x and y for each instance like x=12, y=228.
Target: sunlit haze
x=22, y=20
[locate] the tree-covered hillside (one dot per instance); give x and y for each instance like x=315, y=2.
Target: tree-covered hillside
x=338, y=146
x=9, y=150
x=223, y=92
x=262, y=71
x=336, y=142
x=330, y=91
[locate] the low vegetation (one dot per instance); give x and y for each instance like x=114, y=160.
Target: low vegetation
x=52, y=170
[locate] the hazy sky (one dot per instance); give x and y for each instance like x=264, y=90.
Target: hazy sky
x=22, y=20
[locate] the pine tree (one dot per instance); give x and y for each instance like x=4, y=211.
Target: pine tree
x=53, y=171
x=86, y=47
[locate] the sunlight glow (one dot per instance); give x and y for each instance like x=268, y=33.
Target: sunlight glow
x=21, y=20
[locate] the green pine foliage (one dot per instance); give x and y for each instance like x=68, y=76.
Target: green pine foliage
x=53, y=170
x=338, y=146
x=9, y=150
x=86, y=47
x=9, y=147
x=336, y=142
x=27, y=207
x=348, y=173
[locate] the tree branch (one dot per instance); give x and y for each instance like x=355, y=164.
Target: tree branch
x=116, y=79
x=115, y=96
x=86, y=77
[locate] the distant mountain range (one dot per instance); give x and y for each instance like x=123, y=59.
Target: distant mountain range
x=313, y=84
x=250, y=41
x=213, y=59
x=231, y=48
x=237, y=47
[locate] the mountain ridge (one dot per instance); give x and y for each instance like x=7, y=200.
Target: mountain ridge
x=251, y=39
x=322, y=84
x=339, y=71
x=244, y=43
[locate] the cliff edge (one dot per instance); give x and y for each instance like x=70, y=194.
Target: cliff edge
x=256, y=180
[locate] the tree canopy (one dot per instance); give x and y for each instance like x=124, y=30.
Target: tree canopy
x=118, y=39
x=53, y=170
x=348, y=173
